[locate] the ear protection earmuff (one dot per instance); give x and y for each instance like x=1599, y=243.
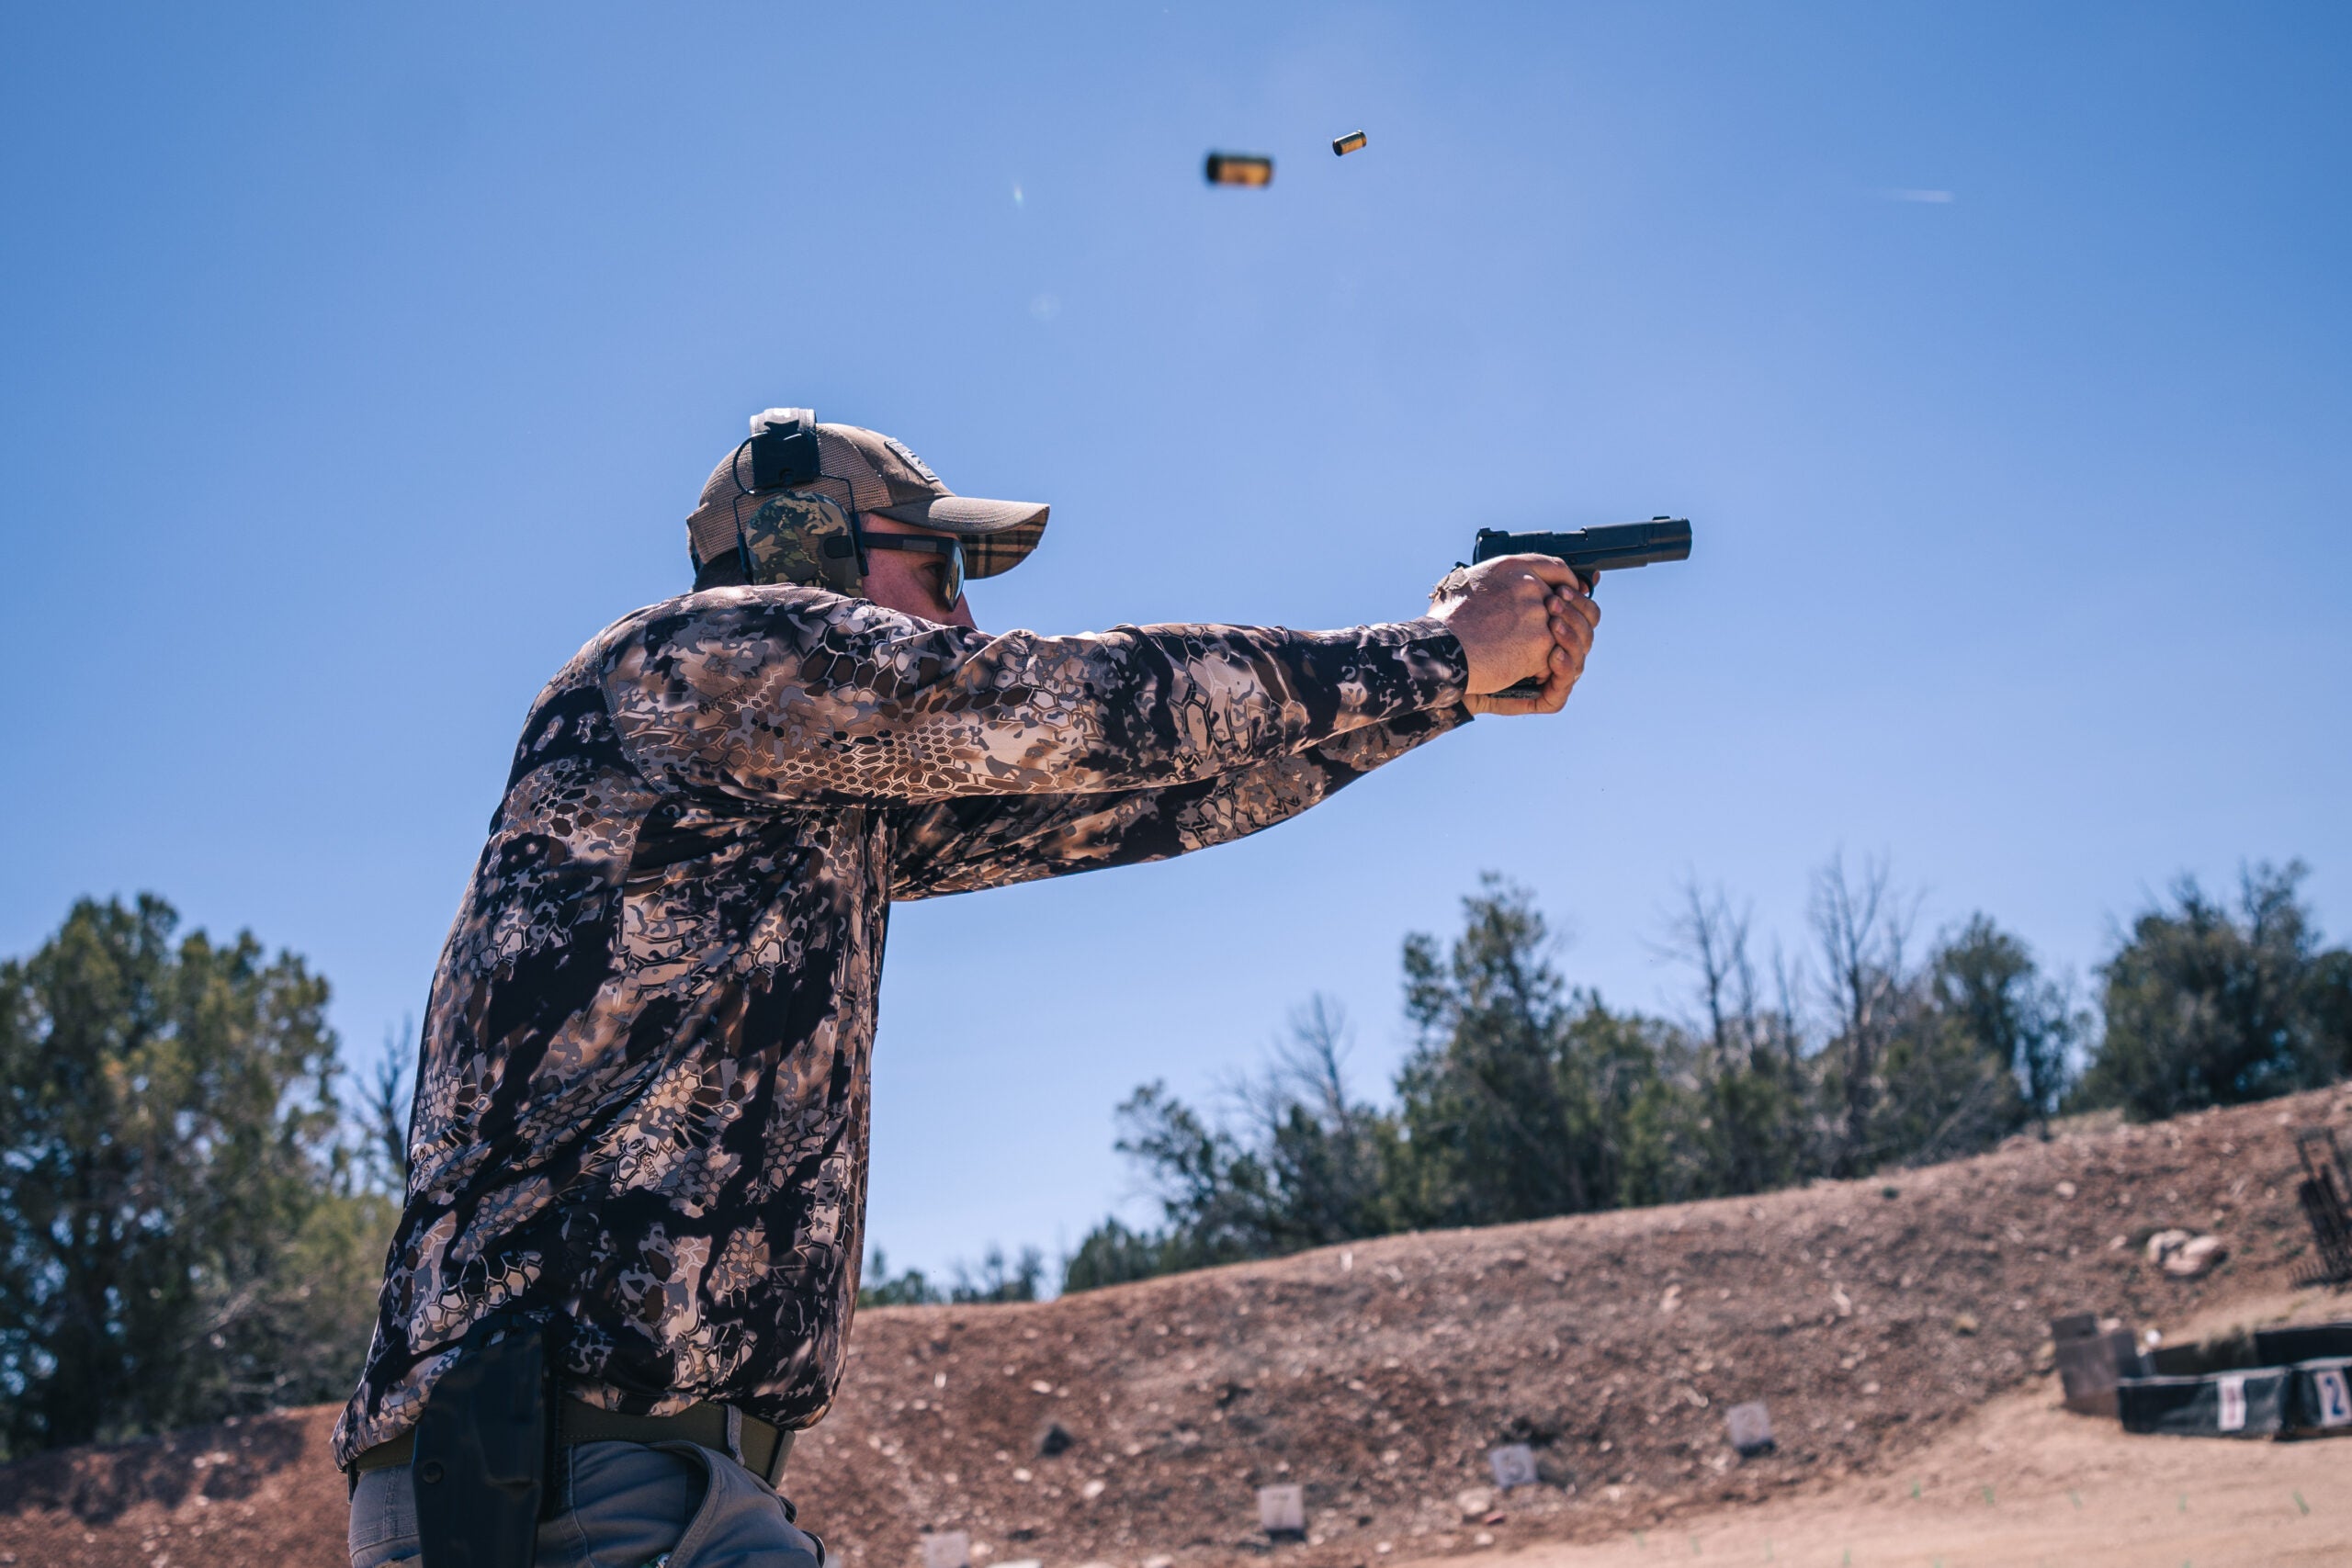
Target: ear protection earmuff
x=783, y=445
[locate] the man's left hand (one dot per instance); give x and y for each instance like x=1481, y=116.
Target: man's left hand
x=1573, y=616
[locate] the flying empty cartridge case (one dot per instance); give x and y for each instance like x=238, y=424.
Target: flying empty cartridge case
x=1343, y=145
x=1240, y=169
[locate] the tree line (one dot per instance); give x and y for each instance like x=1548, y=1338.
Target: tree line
x=1524, y=1097
x=194, y=1210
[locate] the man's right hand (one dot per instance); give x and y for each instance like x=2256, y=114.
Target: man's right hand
x=1519, y=618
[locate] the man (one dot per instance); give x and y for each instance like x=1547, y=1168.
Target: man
x=640, y=1114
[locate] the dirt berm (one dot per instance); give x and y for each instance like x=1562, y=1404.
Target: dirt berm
x=1134, y=1424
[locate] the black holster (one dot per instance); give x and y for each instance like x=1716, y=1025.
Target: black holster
x=485, y=1445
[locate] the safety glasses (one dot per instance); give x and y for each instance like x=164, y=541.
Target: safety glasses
x=951, y=565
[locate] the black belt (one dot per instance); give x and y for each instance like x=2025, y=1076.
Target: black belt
x=756, y=1445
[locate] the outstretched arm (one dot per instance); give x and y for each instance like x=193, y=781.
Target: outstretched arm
x=959, y=846
x=793, y=696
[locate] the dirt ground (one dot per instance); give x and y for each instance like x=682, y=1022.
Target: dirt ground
x=2023, y=1481
x=1896, y=1325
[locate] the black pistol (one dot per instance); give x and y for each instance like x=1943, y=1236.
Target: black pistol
x=1589, y=552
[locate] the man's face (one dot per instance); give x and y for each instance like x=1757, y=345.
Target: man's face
x=906, y=581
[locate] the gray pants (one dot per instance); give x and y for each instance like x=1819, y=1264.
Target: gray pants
x=622, y=1506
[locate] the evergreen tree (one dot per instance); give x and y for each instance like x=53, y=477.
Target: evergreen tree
x=1491, y=1109
x=1113, y=1254
x=998, y=1280
x=183, y=1238
x=2204, y=1006
x=1986, y=981
x=878, y=1287
x=1946, y=1094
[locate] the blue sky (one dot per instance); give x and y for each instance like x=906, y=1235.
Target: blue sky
x=363, y=362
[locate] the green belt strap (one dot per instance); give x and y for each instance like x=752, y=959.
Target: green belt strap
x=759, y=1447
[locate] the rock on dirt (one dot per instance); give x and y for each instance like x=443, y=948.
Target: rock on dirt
x=2186, y=1257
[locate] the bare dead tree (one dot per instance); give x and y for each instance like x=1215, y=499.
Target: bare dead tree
x=1709, y=936
x=1306, y=1068
x=1788, y=986
x=1314, y=1059
x=1310, y=1139
x=389, y=1096
x=1864, y=929
x=1713, y=939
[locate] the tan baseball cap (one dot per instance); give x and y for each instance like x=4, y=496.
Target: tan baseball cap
x=865, y=471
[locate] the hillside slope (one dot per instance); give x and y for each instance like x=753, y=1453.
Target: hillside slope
x=1871, y=1315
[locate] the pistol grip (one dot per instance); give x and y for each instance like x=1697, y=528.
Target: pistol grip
x=1530, y=687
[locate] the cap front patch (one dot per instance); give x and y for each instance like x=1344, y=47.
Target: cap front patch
x=908, y=458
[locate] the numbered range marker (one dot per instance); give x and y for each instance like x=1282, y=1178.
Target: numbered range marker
x=2233, y=1392
x=2335, y=1397
x=1513, y=1464
x=1281, y=1510
x=1751, y=1427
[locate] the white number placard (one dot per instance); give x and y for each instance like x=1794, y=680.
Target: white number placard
x=2233, y=1392
x=2334, y=1397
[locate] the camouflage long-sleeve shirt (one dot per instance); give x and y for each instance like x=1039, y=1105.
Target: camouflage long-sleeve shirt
x=641, y=1103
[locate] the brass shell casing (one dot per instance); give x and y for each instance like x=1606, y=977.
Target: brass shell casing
x=1240, y=169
